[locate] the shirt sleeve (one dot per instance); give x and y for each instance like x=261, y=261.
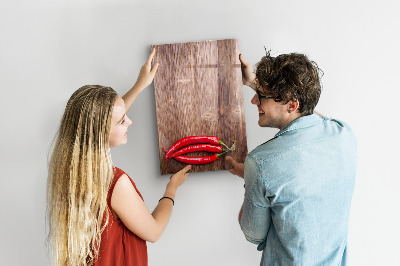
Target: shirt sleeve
x=256, y=217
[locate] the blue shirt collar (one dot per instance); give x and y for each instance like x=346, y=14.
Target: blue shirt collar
x=301, y=122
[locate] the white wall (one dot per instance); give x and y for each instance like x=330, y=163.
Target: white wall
x=50, y=48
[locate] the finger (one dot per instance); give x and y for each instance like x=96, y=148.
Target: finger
x=187, y=168
x=154, y=70
x=185, y=175
x=153, y=51
x=231, y=161
x=228, y=159
x=243, y=61
x=232, y=171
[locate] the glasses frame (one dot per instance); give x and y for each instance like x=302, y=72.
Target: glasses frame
x=276, y=99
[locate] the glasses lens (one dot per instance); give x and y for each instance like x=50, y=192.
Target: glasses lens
x=258, y=96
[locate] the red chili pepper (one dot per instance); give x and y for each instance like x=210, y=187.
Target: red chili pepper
x=197, y=160
x=192, y=140
x=198, y=147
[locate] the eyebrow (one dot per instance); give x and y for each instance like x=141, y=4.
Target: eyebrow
x=121, y=119
x=260, y=92
x=265, y=94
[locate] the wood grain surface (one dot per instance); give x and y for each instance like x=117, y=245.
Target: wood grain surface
x=198, y=91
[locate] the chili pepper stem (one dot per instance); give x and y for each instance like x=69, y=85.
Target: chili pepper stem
x=228, y=149
x=233, y=146
x=220, y=142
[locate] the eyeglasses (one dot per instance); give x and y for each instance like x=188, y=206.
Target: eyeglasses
x=276, y=99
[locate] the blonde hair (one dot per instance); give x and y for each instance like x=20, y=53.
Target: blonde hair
x=80, y=174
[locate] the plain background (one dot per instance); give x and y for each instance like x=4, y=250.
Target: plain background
x=49, y=49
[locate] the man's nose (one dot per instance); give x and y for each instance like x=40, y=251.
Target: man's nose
x=254, y=100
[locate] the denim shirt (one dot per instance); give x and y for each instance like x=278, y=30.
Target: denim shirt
x=298, y=191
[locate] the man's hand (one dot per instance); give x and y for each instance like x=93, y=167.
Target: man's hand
x=238, y=168
x=248, y=76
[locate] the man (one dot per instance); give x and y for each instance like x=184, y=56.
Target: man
x=299, y=184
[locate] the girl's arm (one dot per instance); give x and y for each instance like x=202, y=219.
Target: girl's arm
x=146, y=76
x=131, y=209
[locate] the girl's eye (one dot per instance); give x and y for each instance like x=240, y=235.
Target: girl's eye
x=123, y=121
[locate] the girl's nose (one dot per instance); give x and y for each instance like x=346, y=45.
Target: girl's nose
x=128, y=121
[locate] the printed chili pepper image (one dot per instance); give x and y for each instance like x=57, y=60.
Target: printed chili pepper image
x=177, y=155
x=198, y=160
x=192, y=140
x=195, y=148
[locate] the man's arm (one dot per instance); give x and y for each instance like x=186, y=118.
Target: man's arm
x=240, y=213
x=254, y=216
x=318, y=114
x=248, y=75
x=238, y=169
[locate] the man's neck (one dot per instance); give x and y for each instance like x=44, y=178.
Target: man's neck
x=290, y=119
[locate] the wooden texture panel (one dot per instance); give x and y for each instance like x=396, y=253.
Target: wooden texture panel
x=198, y=91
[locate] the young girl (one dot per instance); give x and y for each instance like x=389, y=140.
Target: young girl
x=96, y=214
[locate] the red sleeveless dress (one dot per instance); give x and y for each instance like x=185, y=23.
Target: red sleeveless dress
x=119, y=246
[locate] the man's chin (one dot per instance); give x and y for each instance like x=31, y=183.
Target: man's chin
x=265, y=124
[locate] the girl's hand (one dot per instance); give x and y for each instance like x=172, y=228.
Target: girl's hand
x=146, y=74
x=179, y=178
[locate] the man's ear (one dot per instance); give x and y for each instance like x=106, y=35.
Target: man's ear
x=293, y=105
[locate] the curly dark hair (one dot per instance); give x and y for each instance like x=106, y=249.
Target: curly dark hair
x=290, y=77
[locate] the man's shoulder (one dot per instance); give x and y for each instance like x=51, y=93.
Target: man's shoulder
x=336, y=128
x=294, y=141
x=268, y=150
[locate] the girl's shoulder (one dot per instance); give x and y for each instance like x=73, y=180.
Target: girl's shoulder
x=118, y=172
